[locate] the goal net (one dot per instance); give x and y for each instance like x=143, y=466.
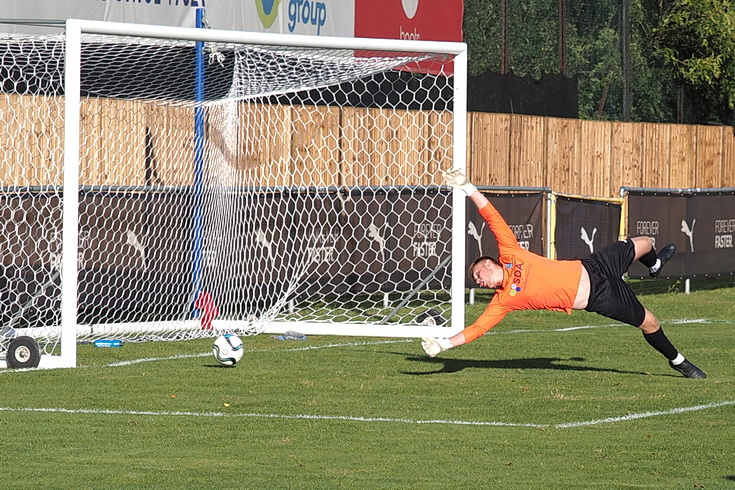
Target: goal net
x=170, y=183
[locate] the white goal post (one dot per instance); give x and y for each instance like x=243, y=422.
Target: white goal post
x=166, y=183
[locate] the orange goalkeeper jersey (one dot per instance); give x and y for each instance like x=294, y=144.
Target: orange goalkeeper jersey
x=530, y=282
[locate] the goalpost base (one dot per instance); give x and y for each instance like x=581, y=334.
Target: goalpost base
x=46, y=362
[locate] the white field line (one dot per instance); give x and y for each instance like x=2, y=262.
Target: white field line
x=644, y=415
x=568, y=425
x=607, y=420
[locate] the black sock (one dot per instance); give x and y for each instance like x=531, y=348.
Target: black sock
x=661, y=343
x=649, y=260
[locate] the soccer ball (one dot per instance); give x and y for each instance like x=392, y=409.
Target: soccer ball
x=228, y=349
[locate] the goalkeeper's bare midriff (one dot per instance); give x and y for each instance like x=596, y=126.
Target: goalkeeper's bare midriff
x=583, y=291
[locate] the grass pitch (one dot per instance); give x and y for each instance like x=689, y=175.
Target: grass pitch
x=545, y=400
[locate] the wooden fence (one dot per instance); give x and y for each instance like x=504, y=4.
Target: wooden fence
x=596, y=158
x=129, y=143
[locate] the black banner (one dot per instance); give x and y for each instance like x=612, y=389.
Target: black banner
x=30, y=237
x=583, y=226
x=140, y=253
x=701, y=225
x=524, y=215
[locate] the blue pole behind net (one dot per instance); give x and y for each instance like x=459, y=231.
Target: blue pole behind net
x=197, y=221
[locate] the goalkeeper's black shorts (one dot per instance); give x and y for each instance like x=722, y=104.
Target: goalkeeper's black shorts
x=610, y=295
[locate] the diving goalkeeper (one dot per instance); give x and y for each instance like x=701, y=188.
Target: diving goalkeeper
x=526, y=281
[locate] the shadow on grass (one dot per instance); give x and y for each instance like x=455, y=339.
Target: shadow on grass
x=555, y=363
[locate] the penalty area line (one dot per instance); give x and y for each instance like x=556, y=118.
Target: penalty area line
x=644, y=415
x=347, y=418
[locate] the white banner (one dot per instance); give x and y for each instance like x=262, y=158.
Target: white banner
x=311, y=17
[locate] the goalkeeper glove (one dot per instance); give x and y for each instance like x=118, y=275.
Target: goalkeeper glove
x=433, y=347
x=458, y=180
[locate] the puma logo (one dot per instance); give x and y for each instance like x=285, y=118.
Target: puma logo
x=374, y=233
x=262, y=240
x=472, y=231
x=689, y=232
x=588, y=240
x=133, y=241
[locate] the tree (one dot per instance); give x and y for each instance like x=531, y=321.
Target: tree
x=482, y=33
x=592, y=47
x=594, y=50
x=679, y=63
x=696, y=38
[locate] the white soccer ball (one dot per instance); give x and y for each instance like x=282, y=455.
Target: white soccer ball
x=228, y=349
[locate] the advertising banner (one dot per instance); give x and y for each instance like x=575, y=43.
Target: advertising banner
x=710, y=239
x=417, y=246
x=137, y=251
x=584, y=226
x=319, y=18
x=435, y=20
x=418, y=20
x=701, y=225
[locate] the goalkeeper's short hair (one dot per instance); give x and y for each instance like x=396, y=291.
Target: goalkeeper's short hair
x=478, y=260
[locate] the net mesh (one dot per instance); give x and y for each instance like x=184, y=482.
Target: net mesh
x=274, y=186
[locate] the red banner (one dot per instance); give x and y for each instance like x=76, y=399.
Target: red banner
x=415, y=20
x=420, y=20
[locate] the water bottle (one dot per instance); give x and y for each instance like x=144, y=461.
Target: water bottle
x=290, y=335
x=107, y=343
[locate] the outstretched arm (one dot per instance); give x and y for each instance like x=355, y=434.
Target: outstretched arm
x=503, y=234
x=505, y=237
x=491, y=317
